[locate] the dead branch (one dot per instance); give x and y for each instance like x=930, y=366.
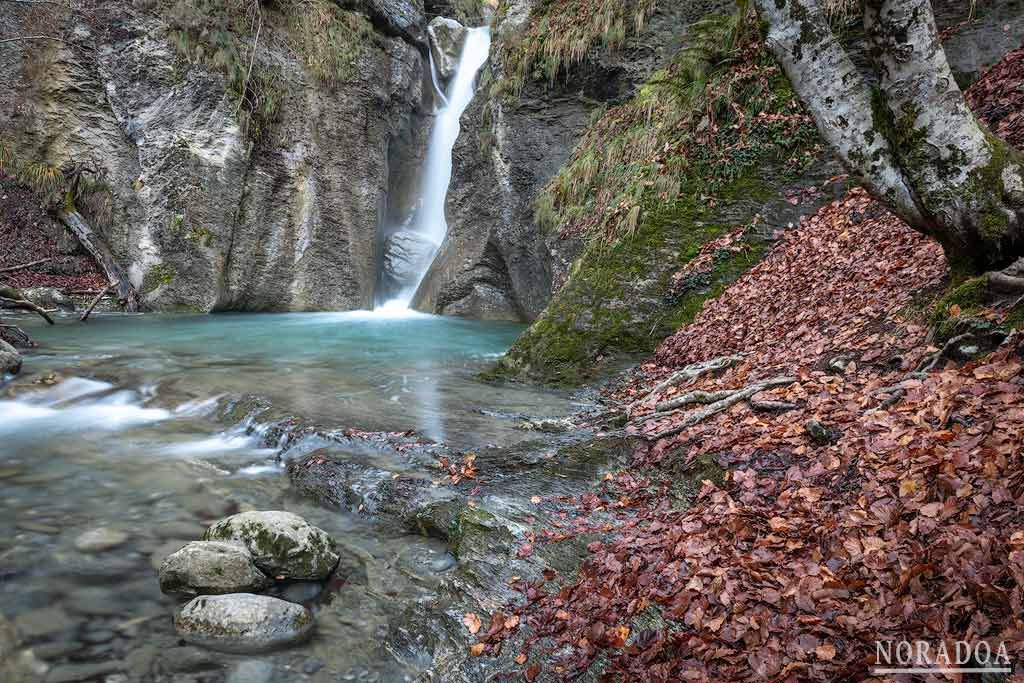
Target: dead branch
x=11, y=40
x=25, y=305
x=88, y=312
x=252, y=59
x=126, y=293
x=23, y=266
x=737, y=396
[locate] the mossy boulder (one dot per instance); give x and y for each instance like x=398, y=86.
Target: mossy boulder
x=243, y=623
x=211, y=568
x=283, y=545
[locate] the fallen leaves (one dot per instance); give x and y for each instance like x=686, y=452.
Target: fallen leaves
x=472, y=622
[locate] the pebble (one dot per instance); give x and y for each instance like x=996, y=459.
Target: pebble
x=94, y=601
x=187, y=660
x=312, y=666
x=99, y=540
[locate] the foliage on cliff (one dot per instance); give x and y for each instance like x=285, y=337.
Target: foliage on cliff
x=234, y=37
x=653, y=180
x=559, y=34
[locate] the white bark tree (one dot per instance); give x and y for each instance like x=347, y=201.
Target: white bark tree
x=911, y=139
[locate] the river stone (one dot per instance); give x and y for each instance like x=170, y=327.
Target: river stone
x=99, y=540
x=447, y=37
x=49, y=297
x=282, y=544
x=242, y=623
x=211, y=568
x=10, y=359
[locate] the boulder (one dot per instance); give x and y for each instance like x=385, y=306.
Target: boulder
x=406, y=255
x=283, y=545
x=10, y=359
x=242, y=623
x=211, y=568
x=50, y=297
x=447, y=37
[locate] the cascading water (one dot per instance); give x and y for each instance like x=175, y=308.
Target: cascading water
x=428, y=227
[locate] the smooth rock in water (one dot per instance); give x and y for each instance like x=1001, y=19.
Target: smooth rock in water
x=447, y=38
x=283, y=545
x=49, y=297
x=44, y=621
x=165, y=550
x=211, y=568
x=242, y=623
x=406, y=255
x=251, y=671
x=99, y=540
x=67, y=673
x=10, y=359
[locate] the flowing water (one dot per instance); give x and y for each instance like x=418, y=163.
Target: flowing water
x=112, y=424
x=430, y=222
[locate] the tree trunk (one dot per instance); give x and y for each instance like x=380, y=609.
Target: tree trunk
x=116, y=276
x=912, y=142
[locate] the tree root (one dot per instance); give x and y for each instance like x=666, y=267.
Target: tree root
x=691, y=373
x=727, y=400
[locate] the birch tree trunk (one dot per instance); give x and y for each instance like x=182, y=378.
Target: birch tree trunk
x=912, y=141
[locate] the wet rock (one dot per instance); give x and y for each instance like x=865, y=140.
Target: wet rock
x=68, y=673
x=180, y=529
x=50, y=297
x=283, y=545
x=251, y=671
x=242, y=623
x=312, y=666
x=211, y=568
x=54, y=651
x=547, y=424
x=406, y=254
x=39, y=528
x=820, y=434
x=447, y=37
x=10, y=359
x=43, y=622
x=94, y=601
x=87, y=568
x=165, y=550
x=99, y=540
x=838, y=364
x=186, y=660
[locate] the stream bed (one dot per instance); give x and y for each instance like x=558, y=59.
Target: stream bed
x=113, y=425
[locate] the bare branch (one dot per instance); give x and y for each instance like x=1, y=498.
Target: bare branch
x=11, y=40
x=23, y=266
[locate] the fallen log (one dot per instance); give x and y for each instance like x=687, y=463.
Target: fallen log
x=88, y=311
x=126, y=294
x=25, y=305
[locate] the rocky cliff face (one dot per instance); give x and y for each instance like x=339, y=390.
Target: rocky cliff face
x=625, y=254
x=216, y=206
x=497, y=262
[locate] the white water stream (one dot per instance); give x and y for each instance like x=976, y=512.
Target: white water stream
x=430, y=221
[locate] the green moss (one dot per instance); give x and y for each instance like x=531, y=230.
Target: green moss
x=478, y=533
x=645, y=190
x=968, y=297
x=157, y=276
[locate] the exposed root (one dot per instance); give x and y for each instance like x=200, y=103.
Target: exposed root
x=728, y=399
x=929, y=363
x=691, y=373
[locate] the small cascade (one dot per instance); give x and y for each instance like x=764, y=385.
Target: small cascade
x=410, y=251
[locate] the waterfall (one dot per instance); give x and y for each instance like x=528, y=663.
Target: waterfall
x=428, y=227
